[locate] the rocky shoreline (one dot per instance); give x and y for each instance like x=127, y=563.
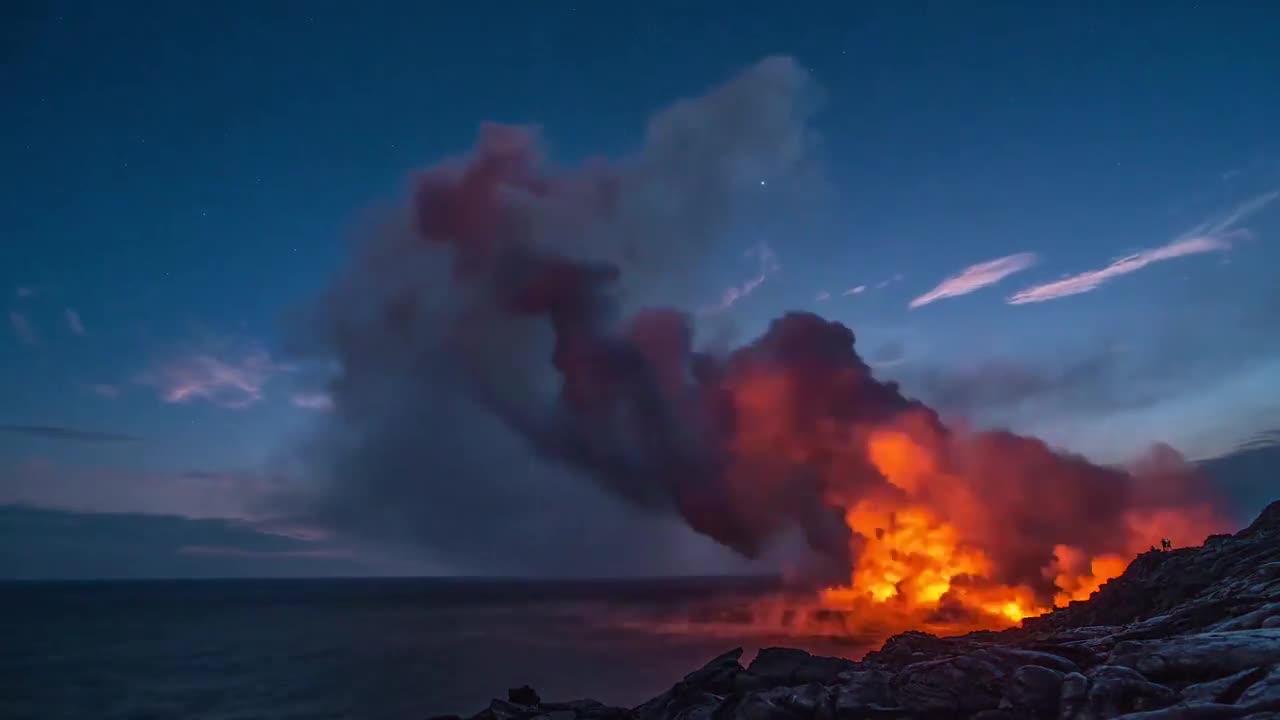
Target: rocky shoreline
x=1188, y=634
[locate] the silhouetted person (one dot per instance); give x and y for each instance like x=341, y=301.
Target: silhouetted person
x=1165, y=544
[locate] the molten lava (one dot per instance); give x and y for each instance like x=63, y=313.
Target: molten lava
x=917, y=567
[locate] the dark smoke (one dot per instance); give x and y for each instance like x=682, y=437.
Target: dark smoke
x=442, y=357
x=524, y=290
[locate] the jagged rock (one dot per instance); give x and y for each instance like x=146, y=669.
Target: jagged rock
x=1266, y=687
x=1222, y=690
x=523, y=695
x=860, y=691
x=761, y=705
x=788, y=666
x=1213, y=711
x=1249, y=620
x=1199, y=657
x=1075, y=693
x=586, y=710
x=1114, y=690
x=503, y=710
x=717, y=676
x=963, y=683
x=1034, y=691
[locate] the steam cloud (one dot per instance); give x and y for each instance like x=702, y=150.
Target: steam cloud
x=525, y=290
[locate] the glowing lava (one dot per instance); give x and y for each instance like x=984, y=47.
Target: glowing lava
x=916, y=566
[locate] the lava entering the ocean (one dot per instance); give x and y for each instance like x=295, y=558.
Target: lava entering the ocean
x=910, y=523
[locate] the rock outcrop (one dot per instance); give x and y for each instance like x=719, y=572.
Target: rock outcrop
x=1186, y=634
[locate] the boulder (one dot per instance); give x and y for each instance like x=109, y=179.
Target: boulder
x=1034, y=691
x=961, y=684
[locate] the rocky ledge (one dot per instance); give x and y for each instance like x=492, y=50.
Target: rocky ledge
x=1186, y=634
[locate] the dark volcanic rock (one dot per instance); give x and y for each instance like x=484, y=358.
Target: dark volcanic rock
x=1190, y=634
x=788, y=666
x=523, y=695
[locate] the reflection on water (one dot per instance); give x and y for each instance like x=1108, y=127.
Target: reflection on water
x=365, y=648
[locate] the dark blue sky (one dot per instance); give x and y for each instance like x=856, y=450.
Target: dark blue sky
x=179, y=176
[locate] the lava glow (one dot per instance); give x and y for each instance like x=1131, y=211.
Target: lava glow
x=916, y=567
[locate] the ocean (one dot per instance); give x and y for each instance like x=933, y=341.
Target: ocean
x=359, y=648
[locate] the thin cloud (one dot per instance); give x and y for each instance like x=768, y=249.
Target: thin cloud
x=1213, y=236
x=22, y=328
x=73, y=321
x=886, y=283
x=228, y=551
x=855, y=290
x=105, y=390
x=313, y=401
x=229, y=382
x=1086, y=281
x=768, y=265
x=24, y=292
x=976, y=277
x=823, y=296
x=56, y=432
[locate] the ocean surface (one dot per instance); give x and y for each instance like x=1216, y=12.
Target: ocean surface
x=358, y=648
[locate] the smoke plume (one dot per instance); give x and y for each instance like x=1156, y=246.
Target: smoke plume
x=530, y=292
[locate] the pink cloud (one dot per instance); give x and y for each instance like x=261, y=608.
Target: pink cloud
x=768, y=265
x=1086, y=281
x=1212, y=236
x=976, y=277
x=229, y=382
x=73, y=321
x=22, y=328
x=313, y=400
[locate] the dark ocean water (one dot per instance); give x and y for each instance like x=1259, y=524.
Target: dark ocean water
x=346, y=648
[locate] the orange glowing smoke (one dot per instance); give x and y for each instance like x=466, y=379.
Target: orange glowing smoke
x=919, y=559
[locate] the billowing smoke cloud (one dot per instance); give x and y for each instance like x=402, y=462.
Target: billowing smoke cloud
x=527, y=291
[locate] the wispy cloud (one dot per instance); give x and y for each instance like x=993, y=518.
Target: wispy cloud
x=1086, y=281
x=22, y=328
x=768, y=264
x=313, y=400
x=49, y=483
x=855, y=290
x=24, y=291
x=228, y=551
x=233, y=382
x=1213, y=236
x=105, y=390
x=73, y=321
x=823, y=296
x=887, y=282
x=976, y=277
x=56, y=432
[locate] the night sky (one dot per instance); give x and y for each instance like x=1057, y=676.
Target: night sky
x=1060, y=221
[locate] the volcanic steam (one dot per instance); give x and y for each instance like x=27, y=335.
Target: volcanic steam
x=916, y=523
